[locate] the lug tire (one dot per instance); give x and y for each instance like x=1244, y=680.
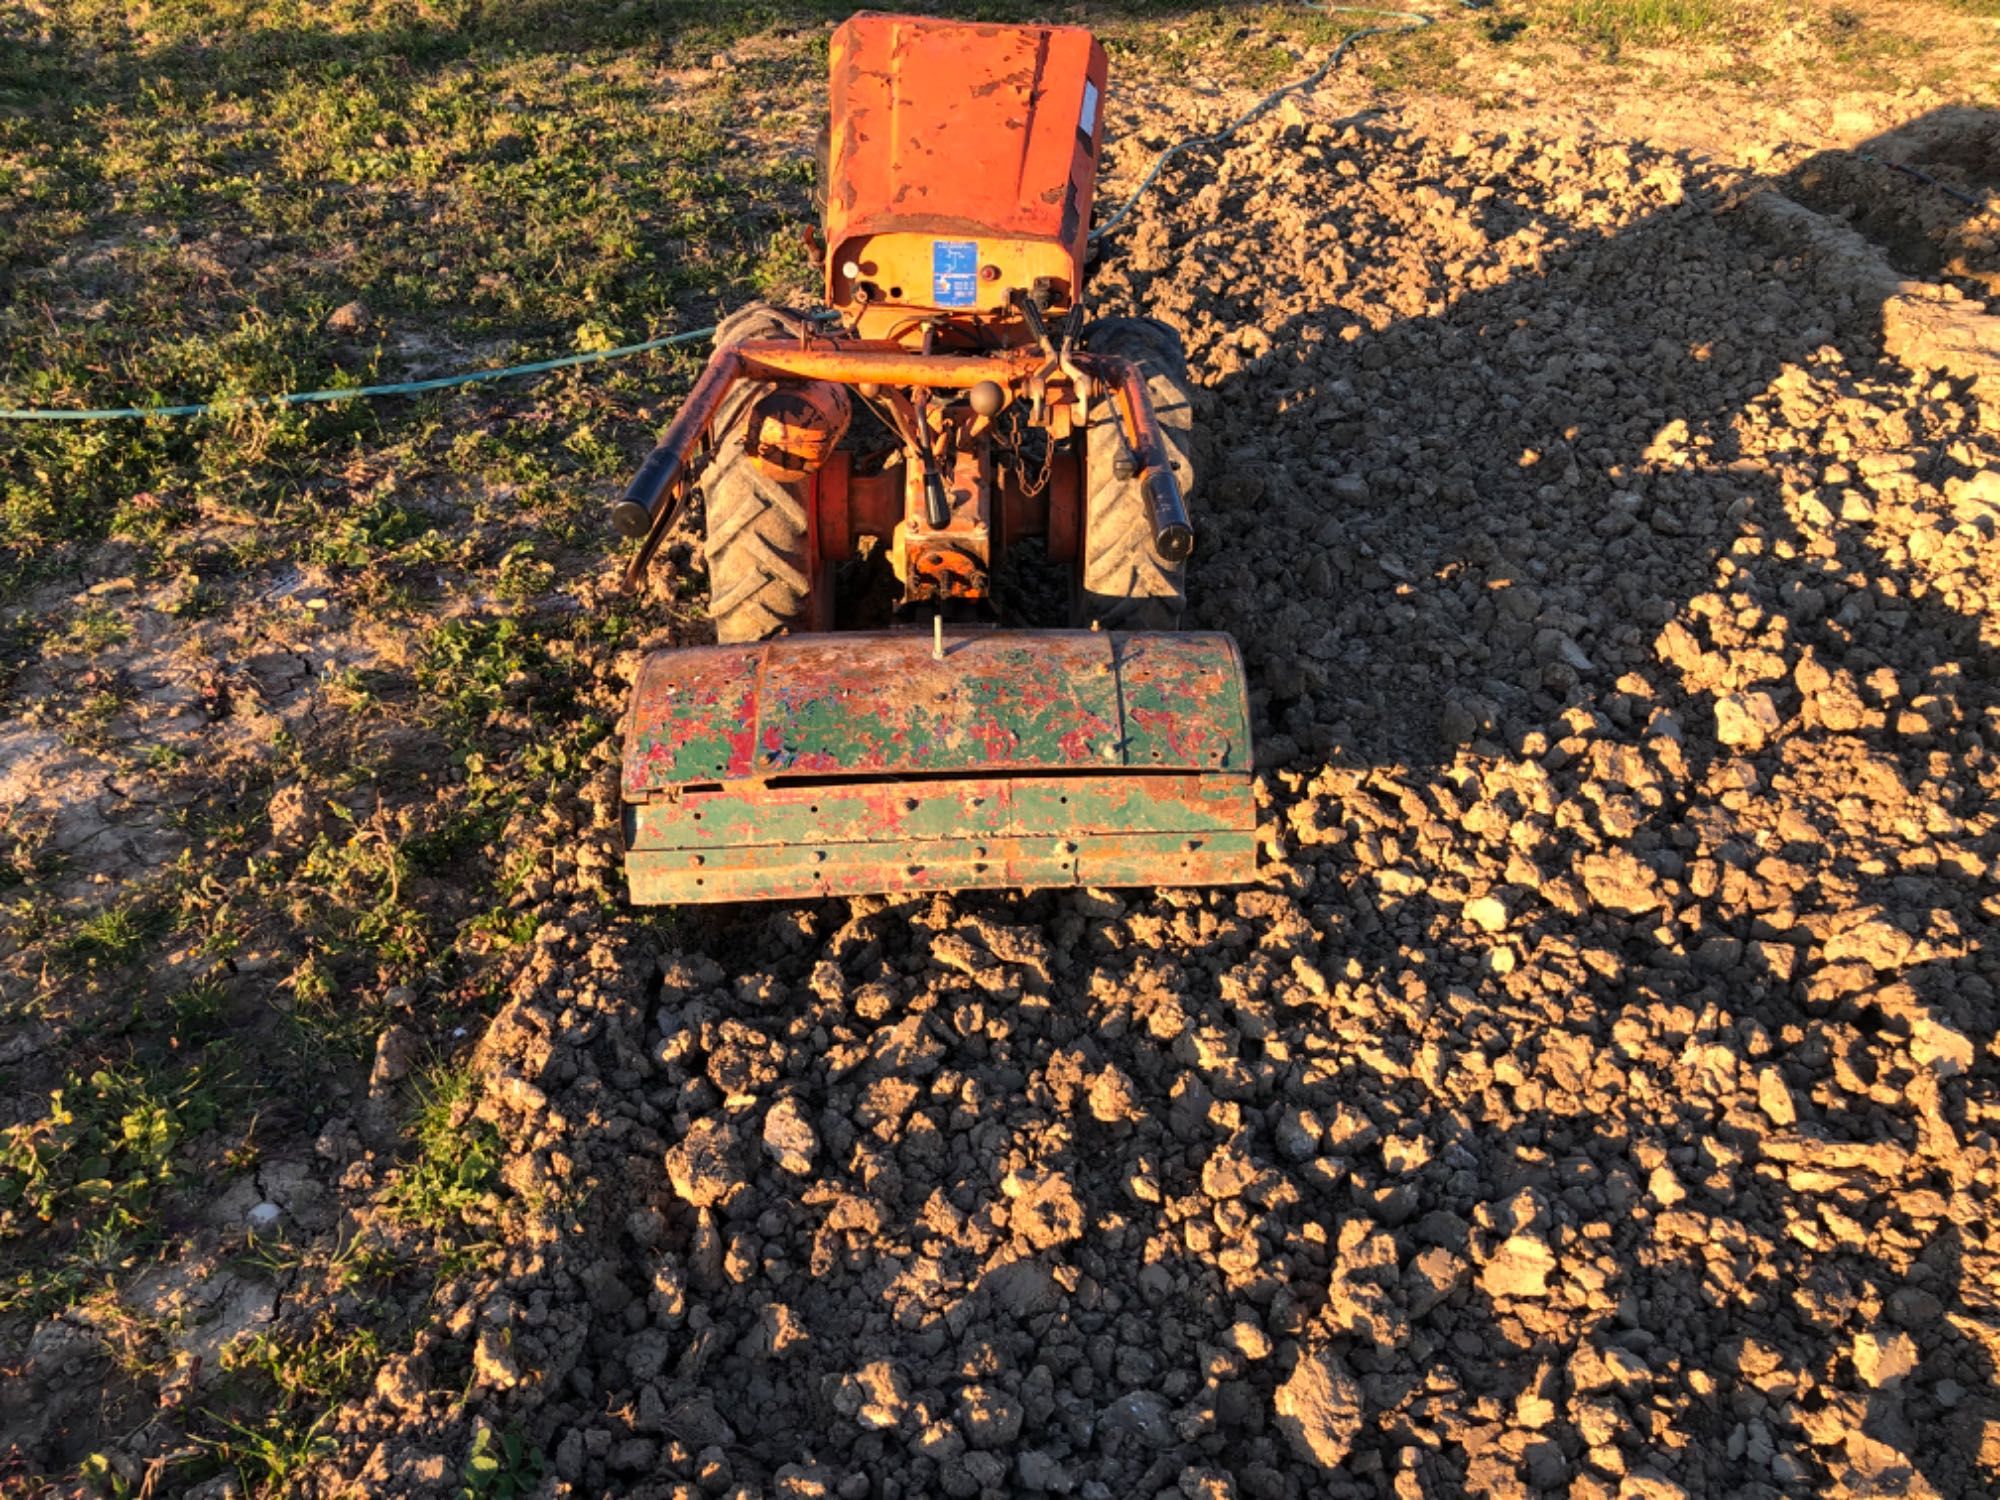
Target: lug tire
x=758, y=538
x=1122, y=581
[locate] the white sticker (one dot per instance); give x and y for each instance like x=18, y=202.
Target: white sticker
x=1088, y=124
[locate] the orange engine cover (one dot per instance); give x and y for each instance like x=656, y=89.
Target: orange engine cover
x=962, y=164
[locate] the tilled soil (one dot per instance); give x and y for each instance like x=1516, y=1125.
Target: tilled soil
x=1597, y=1095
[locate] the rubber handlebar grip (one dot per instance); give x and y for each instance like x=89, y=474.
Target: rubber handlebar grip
x=633, y=515
x=1173, y=534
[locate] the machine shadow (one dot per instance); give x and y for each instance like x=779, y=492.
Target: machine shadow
x=1501, y=448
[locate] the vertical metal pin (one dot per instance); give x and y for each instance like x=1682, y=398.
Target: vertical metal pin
x=937, y=637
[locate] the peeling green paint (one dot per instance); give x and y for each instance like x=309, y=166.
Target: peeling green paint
x=850, y=763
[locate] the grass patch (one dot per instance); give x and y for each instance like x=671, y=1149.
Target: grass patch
x=1619, y=23
x=457, y=1161
x=309, y=1366
x=90, y=630
x=98, y=1160
x=271, y=1453
x=113, y=937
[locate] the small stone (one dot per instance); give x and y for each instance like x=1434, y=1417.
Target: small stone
x=697, y=1423
x=1143, y=1415
x=1487, y=913
x=1719, y=954
x=1774, y=1098
x=1628, y=1372
x=1319, y=1409
x=1884, y=1360
x=1617, y=881
x=1519, y=1268
x=1913, y=1307
x=634, y=1455
x=1939, y=1046
x=1547, y=1468
x=1042, y=1474
x=1023, y=1288
x=349, y=319
x=1044, y=1210
x=264, y=1218
x=1648, y=1484
x=1745, y=721
x=802, y=1482
x=876, y=1397
x=1298, y=1135
x=1665, y=1187
x=988, y=1416
x=1227, y=1173
x=703, y=1165
x=1533, y=1410
x=396, y=1052
x=789, y=1138
x=713, y=1471
x=1248, y=1339
x=1112, y=1097
x=493, y=1362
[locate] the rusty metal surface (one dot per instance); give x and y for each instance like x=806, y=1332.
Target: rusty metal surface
x=956, y=128
x=878, y=704
x=852, y=365
x=789, y=840
x=839, y=765
x=792, y=873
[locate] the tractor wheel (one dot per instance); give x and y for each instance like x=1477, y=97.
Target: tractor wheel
x=760, y=566
x=1123, y=583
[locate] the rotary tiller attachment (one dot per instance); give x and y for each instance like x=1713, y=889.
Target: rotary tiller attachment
x=870, y=762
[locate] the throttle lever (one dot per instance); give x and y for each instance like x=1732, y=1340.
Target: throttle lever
x=937, y=504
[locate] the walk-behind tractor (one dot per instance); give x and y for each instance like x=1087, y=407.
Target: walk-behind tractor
x=955, y=403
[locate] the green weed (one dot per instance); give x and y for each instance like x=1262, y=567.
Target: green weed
x=500, y=1467
x=90, y=630
x=271, y=1456
x=318, y=1364
x=113, y=937
x=351, y=890
x=97, y=1161
x=466, y=669
x=1620, y=23
x=457, y=1161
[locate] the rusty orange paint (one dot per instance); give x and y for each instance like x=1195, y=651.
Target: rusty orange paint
x=963, y=134
x=855, y=364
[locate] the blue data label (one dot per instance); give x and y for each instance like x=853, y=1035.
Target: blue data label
x=955, y=273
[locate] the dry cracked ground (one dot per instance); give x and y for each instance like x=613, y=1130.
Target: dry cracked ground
x=1596, y=1096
